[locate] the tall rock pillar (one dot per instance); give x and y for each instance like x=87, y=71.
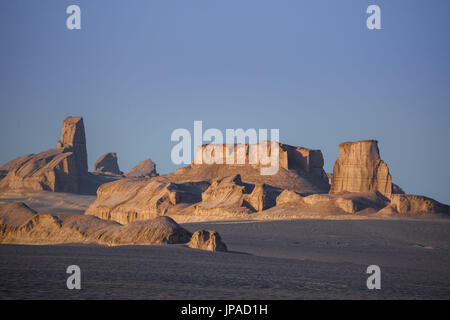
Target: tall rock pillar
x=360, y=169
x=73, y=139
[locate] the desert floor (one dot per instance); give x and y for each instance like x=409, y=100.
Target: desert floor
x=300, y=259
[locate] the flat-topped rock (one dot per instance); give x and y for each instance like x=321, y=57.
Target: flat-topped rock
x=263, y=154
x=360, y=169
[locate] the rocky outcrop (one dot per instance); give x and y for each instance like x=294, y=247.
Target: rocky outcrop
x=215, y=191
x=107, y=164
x=161, y=230
x=20, y=224
x=360, y=169
x=53, y=170
x=14, y=214
x=408, y=204
x=132, y=199
x=7, y=167
x=63, y=169
x=299, y=159
x=352, y=203
x=207, y=240
x=146, y=168
x=230, y=196
x=288, y=196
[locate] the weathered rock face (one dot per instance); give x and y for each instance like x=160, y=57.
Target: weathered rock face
x=207, y=240
x=107, y=164
x=360, y=169
x=63, y=169
x=146, y=168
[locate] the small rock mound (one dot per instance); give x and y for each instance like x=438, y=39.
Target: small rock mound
x=207, y=240
x=108, y=164
x=146, y=168
x=161, y=230
x=288, y=196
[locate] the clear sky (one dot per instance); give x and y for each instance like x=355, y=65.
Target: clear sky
x=137, y=70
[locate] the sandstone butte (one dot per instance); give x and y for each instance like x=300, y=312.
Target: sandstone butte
x=360, y=186
x=360, y=169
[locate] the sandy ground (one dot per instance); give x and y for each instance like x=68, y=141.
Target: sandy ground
x=301, y=259
x=51, y=202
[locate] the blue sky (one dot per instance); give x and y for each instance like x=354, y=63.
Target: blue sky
x=137, y=70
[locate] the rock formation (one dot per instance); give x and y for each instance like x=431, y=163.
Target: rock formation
x=20, y=224
x=73, y=139
x=360, y=169
x=407, y=204
x=297, y=159
x=45, y=228
x=207, y=240
x=134, y=199
x=212, y=190
x=223, y=182
x=10, y=165
x=230, y=196
x=201, y=192
x=146, y=168
x=288, y=196
x=129, y=200
x=63, y=169
x=14, y=214
x=161, y=230
x=319, y=202
x=107, y=164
